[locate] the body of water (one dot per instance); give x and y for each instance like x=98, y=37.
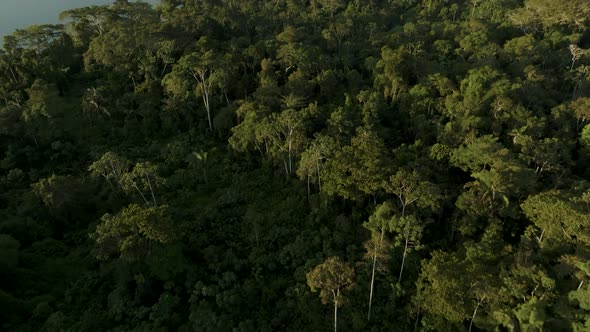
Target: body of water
x=19, y=14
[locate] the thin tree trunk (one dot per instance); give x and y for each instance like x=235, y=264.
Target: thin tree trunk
x=290, y=157
x=372, y=284
x=417, y=319
x=259, y=149
x=394, y=95
x=406, y=244
x=540, y=238
x=151, y=190
x=226, y=99
x=377, y=247
x=164, y=70
x=206, y=102
x=286, y=168
x=319, y=179
x=110, y=183
x=12, y=73
x=142, y=196
x=200, y=77
x=308, y=188
x=336, y=311
x=403, y=208
x=475, y=312
x=403, y=261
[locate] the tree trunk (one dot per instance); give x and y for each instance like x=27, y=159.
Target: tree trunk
x=417, y=319
x=540, y=238
x=201, y=78
x=141, y=193
x=286, y=168
x=473, y=9
x=475, y=312
x=164, y=70
x=336, y=311
x=290, y=157
x=403, y=207
x=151, y=190
x=404, y=203
x=226, y=99
x=308, y=188
x=394, y=96
x=110, y=183
x=573, y=63
x=403, y=261
x=259, y=149
x=206, y=102
x=319, y=179
x=377, y=247
x=12, y=73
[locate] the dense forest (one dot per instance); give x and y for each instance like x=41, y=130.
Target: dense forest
x=293, y=165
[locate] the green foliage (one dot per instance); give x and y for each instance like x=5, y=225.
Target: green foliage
x=184, y=167
x=130, y=231
x=359, y=168
x=330, y=277
x=559, y=215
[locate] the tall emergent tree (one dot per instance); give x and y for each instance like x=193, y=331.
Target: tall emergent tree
x=331, y=277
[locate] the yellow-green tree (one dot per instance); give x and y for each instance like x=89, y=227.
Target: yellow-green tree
x=331, y=278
